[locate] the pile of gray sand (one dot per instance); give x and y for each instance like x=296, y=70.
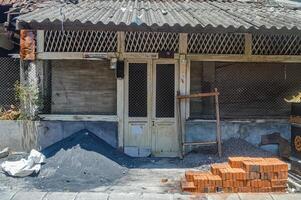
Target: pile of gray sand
x=80, y=162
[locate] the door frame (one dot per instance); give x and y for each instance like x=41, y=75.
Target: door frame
x=151, y=97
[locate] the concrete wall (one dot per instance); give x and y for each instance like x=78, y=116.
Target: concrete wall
x=26, y=135
x=251, y=131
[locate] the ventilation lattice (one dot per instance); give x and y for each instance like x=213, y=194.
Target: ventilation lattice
x=80, y=41
x=151, y=42
x=216, y=43
x=276, y=45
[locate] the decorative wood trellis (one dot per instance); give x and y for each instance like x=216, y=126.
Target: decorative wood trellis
x=154, y=42
x=216, y=43
x=80, y=41
x=276, y=44
x=151, y=41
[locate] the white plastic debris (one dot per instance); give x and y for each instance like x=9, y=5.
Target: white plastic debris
x=24, y=167
x=4, y=152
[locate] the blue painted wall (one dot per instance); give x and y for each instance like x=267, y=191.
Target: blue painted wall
x=251, y=131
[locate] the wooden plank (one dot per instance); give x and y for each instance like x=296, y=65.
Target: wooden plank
x=245, y=58
x=209, y=94
x=198, y=143
x=218, y=125
x=75, y=55
x=107, y=118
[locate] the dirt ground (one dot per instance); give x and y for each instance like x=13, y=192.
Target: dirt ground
x=84, y=163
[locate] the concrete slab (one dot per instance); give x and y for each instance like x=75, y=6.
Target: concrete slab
x=4, y=195
x=223, y=196
x=125, y=196
x=281, y=196
x=257, y=196
x=151, y=196
x=92, y=196
x=29, y=195
x=60, y=196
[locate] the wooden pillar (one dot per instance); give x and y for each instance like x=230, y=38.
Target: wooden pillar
x=183, y=87
x=248, y=44
x=120, y=93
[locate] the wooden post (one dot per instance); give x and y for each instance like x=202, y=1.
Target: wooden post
x=120, y=93
x=183, y=83
x=218, y=126
x=248, y=44
x=40, y=41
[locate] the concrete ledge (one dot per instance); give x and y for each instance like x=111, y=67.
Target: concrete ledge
x=23, y=135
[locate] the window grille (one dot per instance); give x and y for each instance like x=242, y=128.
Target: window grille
x=80, y=41
x=165, y=90
x=151, y=42
x=137, y=90
x=276, y=44
x=216, y=43
x=9, y=75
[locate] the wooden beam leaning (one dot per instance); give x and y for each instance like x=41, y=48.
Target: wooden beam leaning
x=218, y=141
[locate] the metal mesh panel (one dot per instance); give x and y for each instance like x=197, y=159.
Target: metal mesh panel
x=9, y=75
x=276, y=45
x=165, y=90
x=80, y=41
x=138, y=90
x=151, y=42
x=251, y=90
x=216, y=43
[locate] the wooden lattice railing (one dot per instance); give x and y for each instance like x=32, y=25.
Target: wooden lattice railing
x=154, y=42
x=151, y=41
x=80, y=41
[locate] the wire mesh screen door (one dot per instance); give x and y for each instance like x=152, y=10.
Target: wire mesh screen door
x=164, y=131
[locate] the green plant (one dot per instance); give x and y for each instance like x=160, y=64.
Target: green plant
x=30, y=100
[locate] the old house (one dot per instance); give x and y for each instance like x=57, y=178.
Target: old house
x=116, y=67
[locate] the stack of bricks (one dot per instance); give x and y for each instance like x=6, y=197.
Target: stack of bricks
x=240, y=174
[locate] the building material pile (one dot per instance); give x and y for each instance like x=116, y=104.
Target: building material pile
x=240, y=174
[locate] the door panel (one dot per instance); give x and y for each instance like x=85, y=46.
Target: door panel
x=165, y=136
x=137, y=141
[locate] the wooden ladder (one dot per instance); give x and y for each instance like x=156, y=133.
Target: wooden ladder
x=181, y=122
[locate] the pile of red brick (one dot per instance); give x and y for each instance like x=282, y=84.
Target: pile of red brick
x=240, y=174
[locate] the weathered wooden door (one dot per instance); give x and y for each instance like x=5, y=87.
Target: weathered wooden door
x=150, y=114
x=137, y=140
x=164, y=127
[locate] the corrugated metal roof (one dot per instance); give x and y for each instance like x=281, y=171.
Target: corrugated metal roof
x=166, y=13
